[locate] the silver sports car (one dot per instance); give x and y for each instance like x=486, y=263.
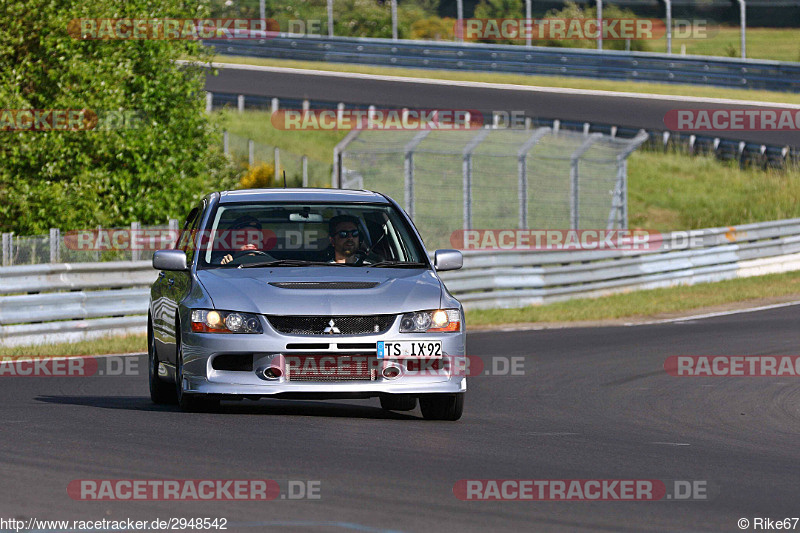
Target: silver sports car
x=305, y=293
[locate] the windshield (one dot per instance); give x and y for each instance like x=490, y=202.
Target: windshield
x=252, y=235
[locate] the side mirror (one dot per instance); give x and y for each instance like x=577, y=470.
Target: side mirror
x=170, y=260
x=447, y=260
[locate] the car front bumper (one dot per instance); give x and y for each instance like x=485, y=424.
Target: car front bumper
x=273, y=349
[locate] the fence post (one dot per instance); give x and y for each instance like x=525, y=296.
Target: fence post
x=277, y=163
x=522, y=174
x=55, y=245
x=304, y=161
x=209, y=102
x=338, y=151
x=274, y=105
x=225, y=143
x=408, y=169
x=97, y=238
x=466, y=174
x=136, y=254
x=240, y=103
x=173, y=231
x=251, y=152
x=339, y=112
x=330, y=18
x=574, y=200
x=7, y=249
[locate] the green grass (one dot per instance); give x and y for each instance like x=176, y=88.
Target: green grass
x=528, y=80
x=779, y=44
x=104, y=345
x=675, y=191
x=646, y=303
x=256, y=125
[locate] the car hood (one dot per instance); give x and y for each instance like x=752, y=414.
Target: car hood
x=252, y=290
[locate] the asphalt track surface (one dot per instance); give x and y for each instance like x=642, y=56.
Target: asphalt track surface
x=593, y=403
x=645, y=113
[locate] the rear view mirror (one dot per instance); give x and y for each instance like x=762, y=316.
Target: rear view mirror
x=170, y=260
x=447, y=260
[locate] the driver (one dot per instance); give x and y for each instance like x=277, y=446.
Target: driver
x=345, y=238
x=244, y=223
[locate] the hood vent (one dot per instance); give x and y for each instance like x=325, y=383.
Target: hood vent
x=325, y=284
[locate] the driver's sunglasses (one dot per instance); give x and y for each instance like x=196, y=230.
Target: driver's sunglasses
x=344, y=233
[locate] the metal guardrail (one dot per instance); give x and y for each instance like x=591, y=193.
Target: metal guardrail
x=67, y=302
x=518, y=279
x=585, y=63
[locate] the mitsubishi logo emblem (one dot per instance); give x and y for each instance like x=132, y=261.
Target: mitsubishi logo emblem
x=331, y=328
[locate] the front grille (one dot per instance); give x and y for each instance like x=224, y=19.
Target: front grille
x=331, y=368
x=342, y=325
x=324, y=284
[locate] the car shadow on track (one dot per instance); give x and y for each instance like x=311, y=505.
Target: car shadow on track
x=262, y=407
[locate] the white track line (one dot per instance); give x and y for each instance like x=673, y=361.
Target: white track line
x=500, y=86
x=713, y=315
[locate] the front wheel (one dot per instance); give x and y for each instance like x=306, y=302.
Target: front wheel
x=442, y=406
x=160, y=391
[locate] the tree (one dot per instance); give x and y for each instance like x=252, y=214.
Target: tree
x=76, y=179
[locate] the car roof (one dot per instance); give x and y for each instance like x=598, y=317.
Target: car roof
x=301, y=195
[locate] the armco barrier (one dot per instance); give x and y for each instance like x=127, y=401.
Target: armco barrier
x=83, y=300
x=517, y=59
x=66, y=302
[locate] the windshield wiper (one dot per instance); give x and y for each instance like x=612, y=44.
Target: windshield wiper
x=288, y=262
x=397, y=264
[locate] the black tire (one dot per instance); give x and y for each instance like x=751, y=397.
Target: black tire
x=190, y=403
x=399, y=402
x=161, y=392
x=442, y=406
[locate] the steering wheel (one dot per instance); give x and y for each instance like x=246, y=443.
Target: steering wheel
x=240, y=253
x=360, y=256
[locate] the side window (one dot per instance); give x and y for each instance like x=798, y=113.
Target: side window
x=187, y=240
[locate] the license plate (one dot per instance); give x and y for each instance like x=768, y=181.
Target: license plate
x=409, y=349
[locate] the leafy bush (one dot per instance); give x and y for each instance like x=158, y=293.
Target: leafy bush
x=77, y=179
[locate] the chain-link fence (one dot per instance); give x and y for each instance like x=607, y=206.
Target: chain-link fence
x=493, y=178
x=133, y=243
x=301, y=170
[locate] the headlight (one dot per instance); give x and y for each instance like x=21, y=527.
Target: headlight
x=427, y=321
x=212, y=321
